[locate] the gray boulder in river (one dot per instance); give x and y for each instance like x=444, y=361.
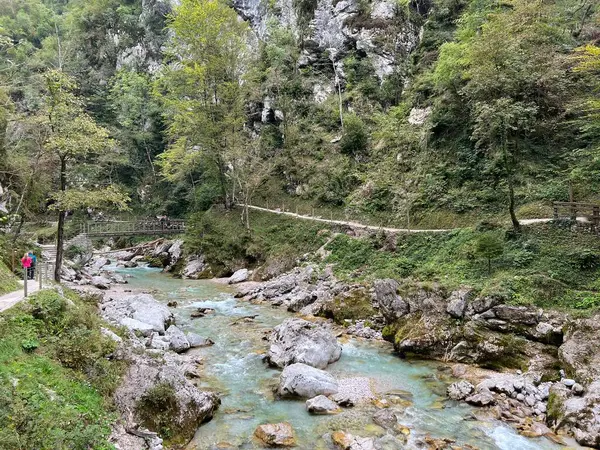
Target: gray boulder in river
x=305, y=381
x=301, y=341
x=146, y=312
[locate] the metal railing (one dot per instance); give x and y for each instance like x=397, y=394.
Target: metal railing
x=133, y=227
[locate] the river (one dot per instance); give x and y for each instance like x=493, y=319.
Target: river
x=233, y=367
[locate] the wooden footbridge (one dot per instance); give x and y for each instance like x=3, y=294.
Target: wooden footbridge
x=141, y=227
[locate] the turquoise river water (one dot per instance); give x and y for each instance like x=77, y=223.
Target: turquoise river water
x=233, y=367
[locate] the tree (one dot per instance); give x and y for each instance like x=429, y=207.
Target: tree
x=249, y=170
x=489, y=246
x=73, y=139
x=507, y=71
x=204, y=94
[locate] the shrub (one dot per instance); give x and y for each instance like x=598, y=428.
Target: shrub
x=489, y=246
x=355, y=138
x=157, y=407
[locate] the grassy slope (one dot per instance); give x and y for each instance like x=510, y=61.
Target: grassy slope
x=55, y=379
x=544, y=265
x=8, y=281
x=276, y=240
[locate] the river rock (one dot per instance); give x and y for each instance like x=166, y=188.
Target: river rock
x=117, y=278
x=276, y=434
x=130, y=264
x=177, y=339
x=99, y=263
x=579, y=415
x=239, y=276
x=460, y=390
x=386, y=418
x=144, y=372
x=305, y=381
x=346, y=441
x=483, y=398
x=194, y=268
x=123, y=255
x=161, y=248
x=143, y=308
x=135, y=325
x=176, y=251
x=300, y=341
x=391, y=305
x=321, y=405
x=100, y=282
x=195, y=340
x=457, y=303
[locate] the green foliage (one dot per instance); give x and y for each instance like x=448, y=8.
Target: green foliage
x=226, y=244
x=544, y=265
x=52, y=393
x=555, y=408
x=355, y=138
x=489, y=246
x=353, y=306
x=8, y=281
x=157, y=407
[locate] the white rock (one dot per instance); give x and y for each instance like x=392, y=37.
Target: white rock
x=305, y=381
x=239, y=276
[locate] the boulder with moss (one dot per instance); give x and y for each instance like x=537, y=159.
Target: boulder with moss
x=156, y=394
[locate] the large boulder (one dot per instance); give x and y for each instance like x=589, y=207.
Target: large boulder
x=176, y=251
x=302, y=380
x=177, y=339
x=457, y=303
x=99, y=263
x=300, y=341
x=100, y=282
x=137, y=312
x=194, y=268
x=581, y=415
x=460, y=390
x=391, y=305
x=276, y=434
x=196, y=340
x=580, y=352
x=145, y=377
x=239, y=276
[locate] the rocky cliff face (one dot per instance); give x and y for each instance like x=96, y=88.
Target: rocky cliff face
x=381, y=30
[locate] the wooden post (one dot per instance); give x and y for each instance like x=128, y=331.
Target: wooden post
x=24, y=281
x=555, y=211
x=313, y=211
x=40, y=268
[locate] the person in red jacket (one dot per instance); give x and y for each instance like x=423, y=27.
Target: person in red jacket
x=26, y=262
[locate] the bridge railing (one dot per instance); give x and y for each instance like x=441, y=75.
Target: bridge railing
x=124, y=228
x=584, y=215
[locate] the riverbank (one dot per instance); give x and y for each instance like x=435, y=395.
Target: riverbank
x=233, y=354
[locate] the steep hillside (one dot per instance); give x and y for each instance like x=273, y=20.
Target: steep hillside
x=420, y=111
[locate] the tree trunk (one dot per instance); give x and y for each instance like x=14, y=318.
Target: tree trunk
x=511, y=205
x=60, y=234
x=223, y=183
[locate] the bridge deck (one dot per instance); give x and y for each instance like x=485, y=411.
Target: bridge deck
x=132, y=228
